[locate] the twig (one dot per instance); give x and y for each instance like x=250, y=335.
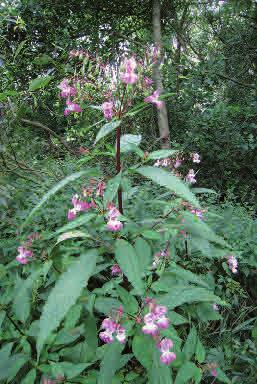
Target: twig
x=49, y=130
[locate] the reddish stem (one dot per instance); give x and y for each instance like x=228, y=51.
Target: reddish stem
x=118, y=167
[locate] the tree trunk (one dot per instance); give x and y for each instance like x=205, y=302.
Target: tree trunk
x=163, y=122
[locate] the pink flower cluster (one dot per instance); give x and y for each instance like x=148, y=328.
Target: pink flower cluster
x=190, y=177
x=68, y=91
x=166, y=355
x=107, y=108
x=232, y=264
x=25, y=254
x=112, y=329
x=198, y=212
x=154, y=321
x=196, y=158
x=129, y=76
x=154, y=99
x=174, y=163
x=113, y=223
x=115, y=270
x=78, y=206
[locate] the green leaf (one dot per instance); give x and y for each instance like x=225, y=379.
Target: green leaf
x=5, y=351
x=91, y=336
x=21, y=304
x=222, y=376
x=112, y=188
x=11, y=366
x=206, y=312
x=43, y=60
x=129, y=142
x=30, y=377
x=128, y=300
x=106, y=304
x=182, y=295
x=200, y=351
x=151, y=234
x=199, y=228
x=168, y=180
x=177, y=319
x=106, y=129
x=110, y=362
x=159, y=373
x=142, y=347
x=56, y=188
x=67, y=369
x=129, y=263
x=203, y=190
x=161, y=154
x=80, y=220
x=65, y=293
x=71, y=235
x=39, y=82
x=188, y=371
x=190, y=344
x=144, y=253
x=186, y=275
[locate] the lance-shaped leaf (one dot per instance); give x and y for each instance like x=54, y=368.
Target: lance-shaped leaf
x=161, y=154
x=110, y=363
x=170, y=181
x=65, y=293
x=106, y=129
x=129, y=263
x=57, y=187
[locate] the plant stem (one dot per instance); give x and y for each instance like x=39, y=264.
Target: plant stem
x=118, y=167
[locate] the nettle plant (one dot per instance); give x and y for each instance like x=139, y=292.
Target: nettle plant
x=108, y=297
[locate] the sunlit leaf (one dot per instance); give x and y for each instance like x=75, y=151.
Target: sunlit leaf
x=64, y=295
x=166, y=179
x=106, y=129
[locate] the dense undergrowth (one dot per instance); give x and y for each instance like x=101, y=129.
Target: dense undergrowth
x=122, y=262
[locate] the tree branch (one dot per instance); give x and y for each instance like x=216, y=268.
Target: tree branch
x=49, y=130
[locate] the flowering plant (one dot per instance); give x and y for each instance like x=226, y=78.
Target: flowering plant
x=115, y=300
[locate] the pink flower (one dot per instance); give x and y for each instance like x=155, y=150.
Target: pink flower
x=198, y=213
x=67, y=90
x=158, y=163
x=148, y=82
x=129, y=77
x=214, y=372
x=196, y=158
x=113, y=212
x=107, y=110
x=114, y=225
x=100, y=188
x=71, y=107
x=71, y=214
x=24, y=255
x=121, y=334
x=106, y=336
x=116, y=271
x=163, y=322
x=154, y=99
x=75, y=199
x=150, y=329
x=232, y=264
x=190, y=177
x=112, y=327
x=177, y=163
x=166, y=356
